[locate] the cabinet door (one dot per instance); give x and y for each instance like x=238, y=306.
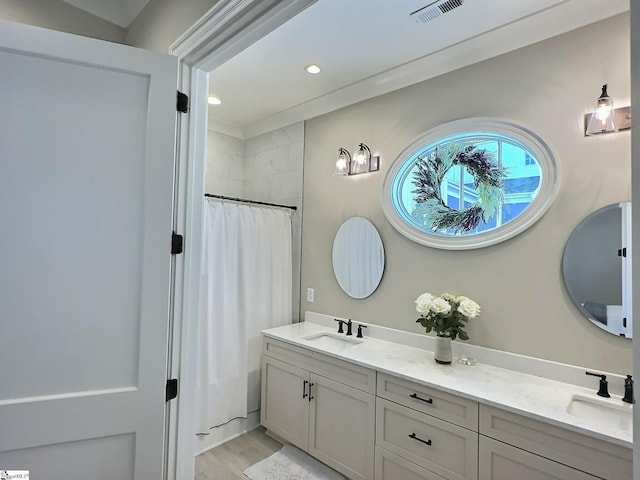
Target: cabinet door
x=341, y=428
x=285, y=402
x=499, y=461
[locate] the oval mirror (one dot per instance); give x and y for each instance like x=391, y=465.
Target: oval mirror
x=597, y=270
x=358, y=257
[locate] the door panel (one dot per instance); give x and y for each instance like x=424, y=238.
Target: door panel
x=78, y=287
x=87, y=141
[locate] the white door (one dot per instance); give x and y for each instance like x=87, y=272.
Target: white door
x=87, y=140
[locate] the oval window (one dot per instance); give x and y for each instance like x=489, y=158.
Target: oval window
x=470, y=183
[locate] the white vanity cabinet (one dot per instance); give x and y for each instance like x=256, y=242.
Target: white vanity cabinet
x=322, y=405
x=367, y=424
x=514, y=446
x=424, y=433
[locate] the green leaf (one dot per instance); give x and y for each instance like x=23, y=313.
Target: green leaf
x=463, y=335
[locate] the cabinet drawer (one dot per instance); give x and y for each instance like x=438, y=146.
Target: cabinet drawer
x=451, y=408
x=348, y=373
x=442, y=447
x=499, y=461
x=600, y=458
x=390, y=466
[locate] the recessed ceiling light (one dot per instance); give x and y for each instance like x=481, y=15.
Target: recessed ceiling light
x=213, y=100
x=312, y=69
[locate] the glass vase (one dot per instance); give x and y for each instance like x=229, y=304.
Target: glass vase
x=442, y=353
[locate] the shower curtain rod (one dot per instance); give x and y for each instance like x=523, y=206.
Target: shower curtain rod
x=244, y=200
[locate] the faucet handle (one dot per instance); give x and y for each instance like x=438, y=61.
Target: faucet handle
x=360, y=327
x=628, y=390
x=340, y=325
x=603, y=389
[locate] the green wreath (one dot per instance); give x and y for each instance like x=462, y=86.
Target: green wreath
x=429, y=174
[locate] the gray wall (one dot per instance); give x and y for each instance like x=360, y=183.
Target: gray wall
x=525, y=308
x=57, y=15
x=162, y=22
x=159, y=24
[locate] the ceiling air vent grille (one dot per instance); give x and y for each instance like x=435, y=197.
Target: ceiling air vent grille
x=434, y=10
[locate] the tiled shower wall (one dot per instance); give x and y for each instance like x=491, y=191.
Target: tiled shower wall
x=267, y=168
x=225, y=164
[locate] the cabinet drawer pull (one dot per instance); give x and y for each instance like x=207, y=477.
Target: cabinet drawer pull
x=304, y=389
x=416, y=397
x=310, y=385
x=413, y=436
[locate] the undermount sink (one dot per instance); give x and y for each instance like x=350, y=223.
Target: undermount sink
x=332, y=340
x=602, y=411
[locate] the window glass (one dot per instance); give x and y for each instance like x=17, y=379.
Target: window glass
x=470, y=183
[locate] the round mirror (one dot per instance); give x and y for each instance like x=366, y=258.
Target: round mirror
x=358, y=257
x=596, y=268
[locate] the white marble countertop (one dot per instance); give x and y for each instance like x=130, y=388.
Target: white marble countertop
x=529, y=395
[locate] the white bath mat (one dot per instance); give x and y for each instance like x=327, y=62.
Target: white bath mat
x=291, y=464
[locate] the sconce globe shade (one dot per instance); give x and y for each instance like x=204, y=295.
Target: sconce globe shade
x=362, y=159
x=342, y=162
x=602, y=119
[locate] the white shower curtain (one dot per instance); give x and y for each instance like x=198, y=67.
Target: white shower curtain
x=246, y=286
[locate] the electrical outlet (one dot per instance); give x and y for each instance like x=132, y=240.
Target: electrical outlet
x=310, y=295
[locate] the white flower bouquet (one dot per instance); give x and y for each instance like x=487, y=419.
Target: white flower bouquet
x=447, y=314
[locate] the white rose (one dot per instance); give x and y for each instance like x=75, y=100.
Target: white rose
x=469, y=308
x=423, y=302
x=462, y=298
x=440, y=305
x=448, y=296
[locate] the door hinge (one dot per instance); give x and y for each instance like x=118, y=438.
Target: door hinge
x=177, y=243
x=622, y=252
x=171, y=390
x=183, y=102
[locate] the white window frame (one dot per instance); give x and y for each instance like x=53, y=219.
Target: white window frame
x=549, y=185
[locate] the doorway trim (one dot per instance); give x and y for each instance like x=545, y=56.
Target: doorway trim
x=225, y=30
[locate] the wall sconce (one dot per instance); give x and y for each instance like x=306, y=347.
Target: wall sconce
x=362, y=162
x=607, y=119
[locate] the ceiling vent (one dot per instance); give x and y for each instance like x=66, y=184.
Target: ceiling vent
x=434, y=10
